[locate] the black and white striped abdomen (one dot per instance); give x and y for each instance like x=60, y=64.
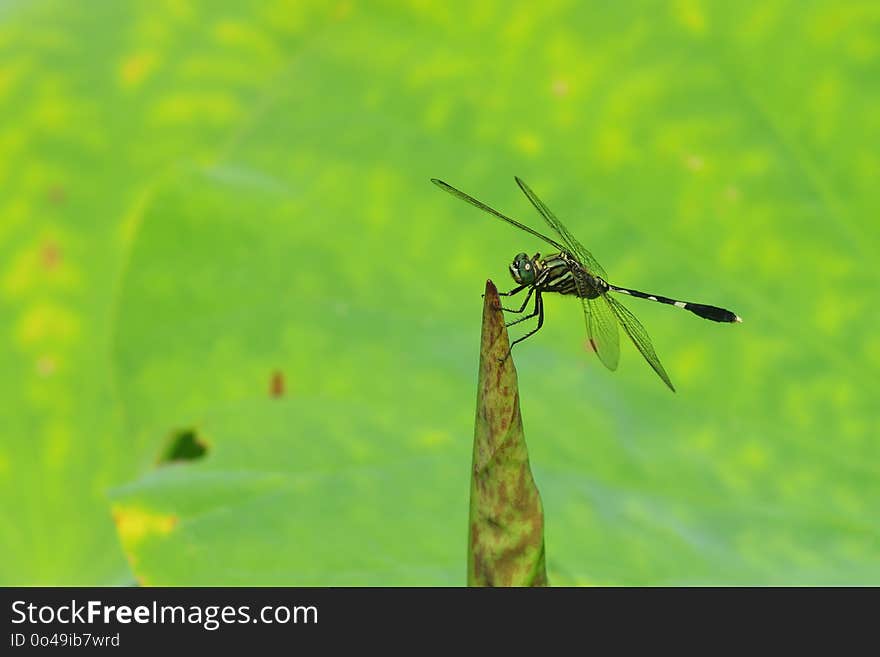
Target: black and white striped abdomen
x=714, y=313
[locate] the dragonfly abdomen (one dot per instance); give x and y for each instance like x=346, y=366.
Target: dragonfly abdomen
x=714, y=313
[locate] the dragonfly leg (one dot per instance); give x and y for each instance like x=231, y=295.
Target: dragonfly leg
x=539, y=311
x=522, y=307
x=524, y=317
x=514, y=291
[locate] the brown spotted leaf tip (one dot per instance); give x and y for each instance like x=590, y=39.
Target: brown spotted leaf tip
x=506, y=541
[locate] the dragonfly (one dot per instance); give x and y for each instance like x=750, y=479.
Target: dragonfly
x=572, y=270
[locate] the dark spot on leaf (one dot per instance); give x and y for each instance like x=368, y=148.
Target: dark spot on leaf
x=502, y=493
x=50, y=255
x=276, y=387
x=182, y=445
x=524, y=485
x=480, y=569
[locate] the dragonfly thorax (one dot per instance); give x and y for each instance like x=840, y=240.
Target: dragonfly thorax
x=524, y=269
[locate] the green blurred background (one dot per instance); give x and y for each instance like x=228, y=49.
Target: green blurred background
x=199, y=195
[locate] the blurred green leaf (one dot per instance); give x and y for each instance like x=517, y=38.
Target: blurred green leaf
x=96, y=107
x=506, y=540
x=196, y=196
x=315, y=484
x=666, y=142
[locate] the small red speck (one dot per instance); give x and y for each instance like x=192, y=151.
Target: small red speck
x=50, y=255
x=56, y=195
x=46, y=366
x=276, y=389
x=560, y=87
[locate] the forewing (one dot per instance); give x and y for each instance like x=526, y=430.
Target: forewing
x=639, y=336
x=602, y=330
x=467, y=198
x=573, y=246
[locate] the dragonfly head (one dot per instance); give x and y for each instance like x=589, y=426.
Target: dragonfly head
x=524, y=269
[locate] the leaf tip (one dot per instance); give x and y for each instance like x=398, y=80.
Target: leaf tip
x=506, y=545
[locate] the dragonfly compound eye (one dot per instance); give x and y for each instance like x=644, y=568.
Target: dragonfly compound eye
x=522, y=269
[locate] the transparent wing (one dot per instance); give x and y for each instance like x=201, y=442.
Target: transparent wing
x=572, y=245
x=602, y=330
x=485, y=208
x=639, y=336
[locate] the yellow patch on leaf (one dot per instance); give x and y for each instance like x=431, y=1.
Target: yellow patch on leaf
x=136, y=68
x=136, y=524
x=47, y=322
x=691, y=15
x=528, y=143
